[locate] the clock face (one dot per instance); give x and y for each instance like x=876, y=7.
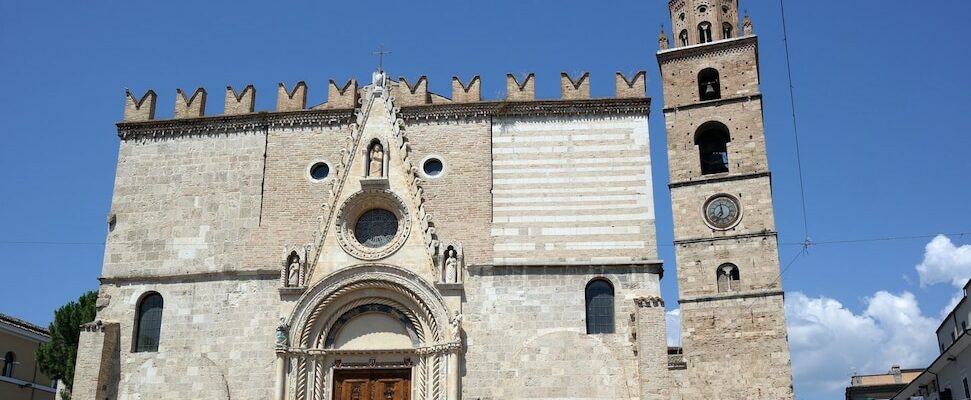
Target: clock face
x=722, y=211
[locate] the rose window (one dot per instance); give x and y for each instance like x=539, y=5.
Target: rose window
x=376, y=228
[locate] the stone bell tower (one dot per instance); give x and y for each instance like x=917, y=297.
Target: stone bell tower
x=732, y=313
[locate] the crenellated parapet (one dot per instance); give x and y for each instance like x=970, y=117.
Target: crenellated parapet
x=628, y=88
x=242, y=103
x=287, y=100
x=191, y=107
x=142, y=109
x=525, y=91
x=571, y=89
x=470, y=93
x=342, y=97
x=407, y=94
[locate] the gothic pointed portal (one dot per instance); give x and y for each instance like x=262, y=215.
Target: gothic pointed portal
x=375, y=211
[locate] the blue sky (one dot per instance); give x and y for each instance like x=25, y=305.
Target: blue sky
x=882, y=94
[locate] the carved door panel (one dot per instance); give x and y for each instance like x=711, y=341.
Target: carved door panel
x=391, y=389
x=372, y=385
x=353, y=389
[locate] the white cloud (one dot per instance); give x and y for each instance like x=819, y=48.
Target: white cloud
x=672, y=323
x=828, y=341
x=945, y=262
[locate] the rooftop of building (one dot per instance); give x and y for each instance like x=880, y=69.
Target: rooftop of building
x=27, y=326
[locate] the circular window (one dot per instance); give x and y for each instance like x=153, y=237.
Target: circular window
x=373, y=224
x=725, y=9
x=703, y=9
x=681, y=16
x=433, y=167
x=375, y=228
x=319, y=171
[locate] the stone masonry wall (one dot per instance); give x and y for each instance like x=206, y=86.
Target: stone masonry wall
x=216, y=342
x=460, y=198
x=526, y=334
x=184, y=205
x=292, y=201
x=754, y=197
x=757, y=259
x=738, y=349
x=572, y=189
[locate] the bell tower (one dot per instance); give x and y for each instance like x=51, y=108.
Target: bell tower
x=731, y=299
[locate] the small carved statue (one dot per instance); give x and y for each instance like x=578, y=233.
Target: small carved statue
x=457, y=326
x=451, y=266
x=293, y=272
x=281, y=333
x=376, y=161
x=747, y=26
x=662, y=40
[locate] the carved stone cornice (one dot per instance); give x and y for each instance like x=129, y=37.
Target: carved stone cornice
x=720, y=47
x=440, y=348
x=227, y=124
x=486, y=109
x=649, y=302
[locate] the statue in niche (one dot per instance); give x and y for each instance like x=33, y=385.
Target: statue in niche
x=281, y=333
x=293, y=271
x=375, y=161
x=451, y=266
x=457, y=326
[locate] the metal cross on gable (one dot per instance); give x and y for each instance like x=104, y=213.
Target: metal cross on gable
x=380, y=53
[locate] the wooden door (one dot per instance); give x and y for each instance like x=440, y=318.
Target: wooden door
x=373, y=384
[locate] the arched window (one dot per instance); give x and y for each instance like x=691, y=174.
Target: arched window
x=600, y=307
x=8, y=361
x=726, y=30
x=728, y=279
x=683, y=37
x=704, y=32
x=709, y=87
x=148, y=326
x=712, y=140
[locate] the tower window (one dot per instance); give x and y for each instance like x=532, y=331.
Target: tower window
x=683, y=37
x=600, y=307
x=709, y=87
x=728, y=279
x=8, y=362
x=712, y=140
x=148, y=327
x=704, y=32
x=726, y=30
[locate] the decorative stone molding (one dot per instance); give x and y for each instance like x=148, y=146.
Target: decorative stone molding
x=229, y=124
x=624, y=106
x=93, y=326
x=709, y=50
x=649, y=302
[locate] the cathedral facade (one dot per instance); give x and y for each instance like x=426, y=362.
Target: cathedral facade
x=393, y=243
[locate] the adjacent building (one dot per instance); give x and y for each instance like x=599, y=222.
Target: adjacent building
x=880, y=386
x=947, y=377
x=397, y=243
x=20, y=376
